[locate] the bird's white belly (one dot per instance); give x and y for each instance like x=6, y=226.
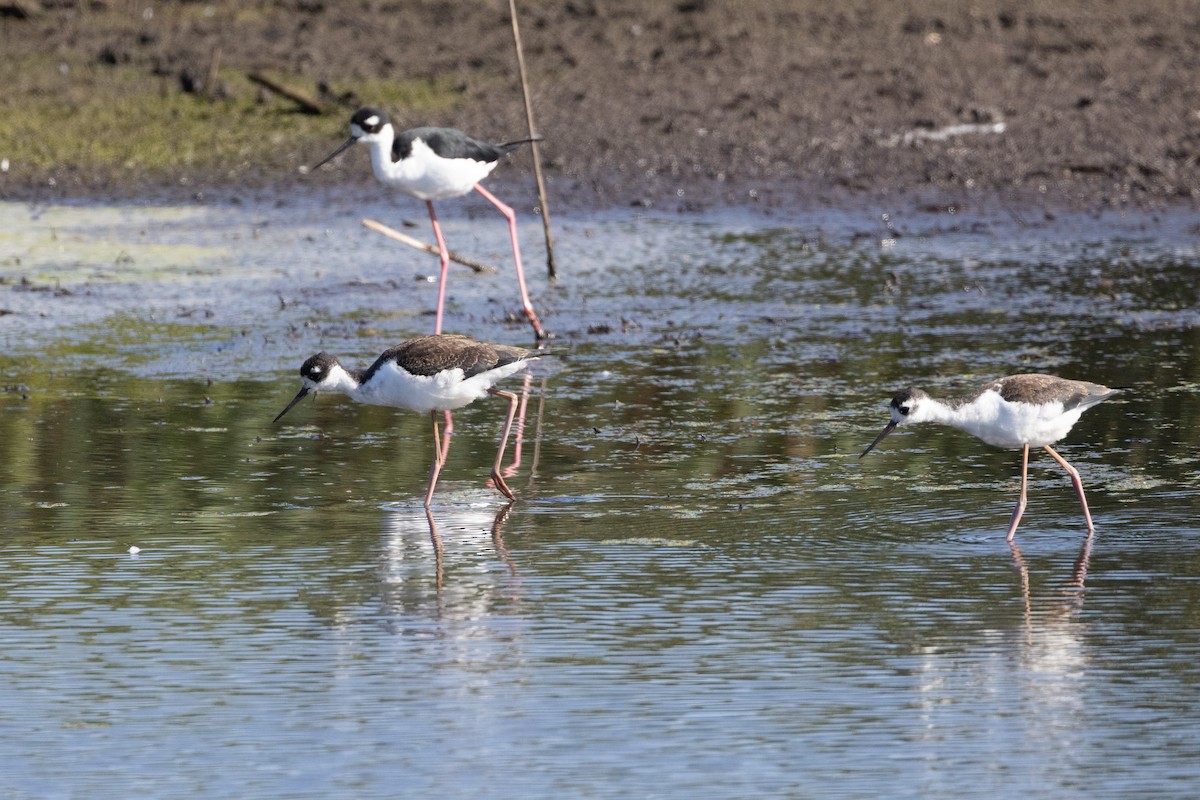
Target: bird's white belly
x=445, y=391
x=435, y=179
x=1018, y=424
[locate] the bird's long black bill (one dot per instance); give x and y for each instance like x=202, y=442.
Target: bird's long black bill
x=891, y=426
x=299, y=396
x=336, y=153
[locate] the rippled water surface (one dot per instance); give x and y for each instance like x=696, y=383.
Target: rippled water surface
x=701, y=590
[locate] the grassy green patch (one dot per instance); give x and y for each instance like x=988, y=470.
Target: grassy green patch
x=61, y=115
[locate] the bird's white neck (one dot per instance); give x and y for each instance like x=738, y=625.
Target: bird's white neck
x=340, y=380
x=381, y=152
x=970, y=417
x=931, y=410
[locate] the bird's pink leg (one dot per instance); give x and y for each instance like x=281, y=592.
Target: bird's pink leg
x=511, y=216
x=1020, y=509
x=439, y=457
x=1074, y=473
x=441, y=444
x=497, y=478
x=449, y=429
x=444, y=257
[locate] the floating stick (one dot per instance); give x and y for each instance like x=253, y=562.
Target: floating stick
x=379, y=227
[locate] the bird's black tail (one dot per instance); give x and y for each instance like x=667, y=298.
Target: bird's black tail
x=508, y=147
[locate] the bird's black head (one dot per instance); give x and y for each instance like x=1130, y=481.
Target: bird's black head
x=901, y=407
x=314, y=370
x=317, y=367
x=904, y=402
x=367, y=121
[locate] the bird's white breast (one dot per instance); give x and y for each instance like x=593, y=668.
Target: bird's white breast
x=394, y=386
x=427, y=176
x=1012, y=425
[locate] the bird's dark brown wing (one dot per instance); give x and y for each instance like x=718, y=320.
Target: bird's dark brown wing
x=429, y=355
x=1036, y=388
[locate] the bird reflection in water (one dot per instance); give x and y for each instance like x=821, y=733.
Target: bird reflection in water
x=498, y=521
x=1073, y=589
x=425, y=543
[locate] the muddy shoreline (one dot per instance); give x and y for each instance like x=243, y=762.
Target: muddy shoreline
x=675, y=105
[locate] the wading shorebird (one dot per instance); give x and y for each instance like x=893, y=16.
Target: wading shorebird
x=426, y=374
x=435, y=164
x=1014, y=413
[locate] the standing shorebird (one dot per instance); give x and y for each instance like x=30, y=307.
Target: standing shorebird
x=434, y=164
x=1013, y=412
x=427, y=374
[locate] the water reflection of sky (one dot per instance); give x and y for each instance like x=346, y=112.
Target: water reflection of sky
x=701, y=591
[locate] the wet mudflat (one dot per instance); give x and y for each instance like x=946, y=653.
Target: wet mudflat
x=700, y=591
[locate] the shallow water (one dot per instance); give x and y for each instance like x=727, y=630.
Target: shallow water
x=701, y=590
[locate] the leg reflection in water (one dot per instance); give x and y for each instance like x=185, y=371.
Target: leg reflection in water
x=438, y=542
x=1073, y=589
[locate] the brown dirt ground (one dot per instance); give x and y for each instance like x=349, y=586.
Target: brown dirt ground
x=685, y=103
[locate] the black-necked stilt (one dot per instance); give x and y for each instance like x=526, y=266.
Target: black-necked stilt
x=435, y=164
x=427, y=374
x=1013, y=412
